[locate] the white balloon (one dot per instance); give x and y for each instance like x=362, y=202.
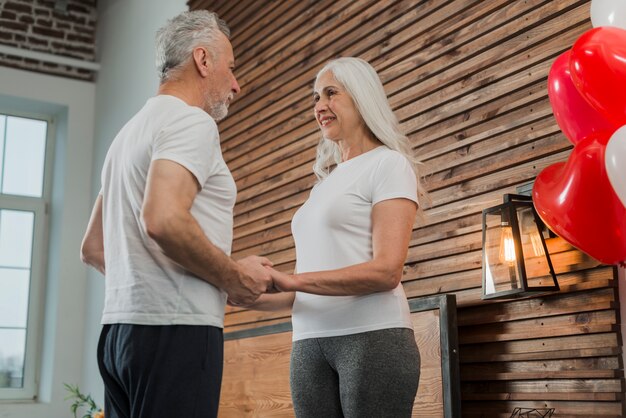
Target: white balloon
x=608, y=13
x=615, y=162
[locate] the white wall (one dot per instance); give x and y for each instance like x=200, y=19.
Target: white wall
x=126, y=80
x=72, y=103
x=90, y=115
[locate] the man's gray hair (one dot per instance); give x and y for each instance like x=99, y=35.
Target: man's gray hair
x=176, y=40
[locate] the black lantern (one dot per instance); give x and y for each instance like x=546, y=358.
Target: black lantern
x=516, y=262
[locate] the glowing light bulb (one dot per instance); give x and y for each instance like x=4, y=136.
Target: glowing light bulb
x=507, y=245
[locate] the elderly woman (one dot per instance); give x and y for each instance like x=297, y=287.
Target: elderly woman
x=354, y=352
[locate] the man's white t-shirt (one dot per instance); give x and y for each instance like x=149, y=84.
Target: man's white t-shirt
x=333, y=229
x=143, y=286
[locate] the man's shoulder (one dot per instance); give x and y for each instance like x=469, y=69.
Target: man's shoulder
x=177, y=109
x=172, y=111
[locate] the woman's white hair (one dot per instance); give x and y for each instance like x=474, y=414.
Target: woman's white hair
x=362, y=83
x=176, y=40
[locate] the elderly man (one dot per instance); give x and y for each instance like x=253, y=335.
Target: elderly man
x=161, y=232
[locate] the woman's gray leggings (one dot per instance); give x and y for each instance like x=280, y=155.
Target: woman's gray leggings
x=372, y=374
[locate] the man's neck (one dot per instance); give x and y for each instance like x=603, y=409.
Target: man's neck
x=185, y=92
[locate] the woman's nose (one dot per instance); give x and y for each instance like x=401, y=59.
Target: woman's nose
x=320, y=106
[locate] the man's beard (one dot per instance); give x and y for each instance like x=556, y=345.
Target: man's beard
x=218, y=110
x=216, y=107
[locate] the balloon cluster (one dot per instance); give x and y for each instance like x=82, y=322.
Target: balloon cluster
x=583, y=200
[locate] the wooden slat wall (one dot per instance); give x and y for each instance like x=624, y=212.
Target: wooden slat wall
x=467, y=78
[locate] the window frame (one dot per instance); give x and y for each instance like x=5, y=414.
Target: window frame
x=39, y=206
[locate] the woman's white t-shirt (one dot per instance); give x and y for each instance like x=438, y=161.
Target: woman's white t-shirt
x=333, y=229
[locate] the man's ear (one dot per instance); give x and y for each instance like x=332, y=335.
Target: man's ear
x=202, y=60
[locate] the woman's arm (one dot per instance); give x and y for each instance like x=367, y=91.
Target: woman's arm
x=271, y=302
x=392, y=224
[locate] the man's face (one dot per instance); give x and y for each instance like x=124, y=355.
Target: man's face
x=221, y=85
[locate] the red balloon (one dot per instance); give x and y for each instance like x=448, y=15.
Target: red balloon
x=598, y=68
x=576, y=200
x=575, y=116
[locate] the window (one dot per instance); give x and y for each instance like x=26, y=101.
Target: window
x=25, y=150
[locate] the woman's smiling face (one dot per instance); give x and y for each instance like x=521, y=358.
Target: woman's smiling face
x=335, y=112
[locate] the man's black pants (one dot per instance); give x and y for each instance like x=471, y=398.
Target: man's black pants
x=167, y=371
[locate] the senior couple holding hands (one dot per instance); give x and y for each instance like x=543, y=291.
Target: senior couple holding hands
x=161, y=233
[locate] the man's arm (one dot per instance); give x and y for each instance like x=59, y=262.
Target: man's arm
x=169, y=195
x=92, y=248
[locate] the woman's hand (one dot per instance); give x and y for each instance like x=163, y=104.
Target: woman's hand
x=282, y=282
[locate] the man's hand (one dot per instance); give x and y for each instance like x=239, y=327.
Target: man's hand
x=254, y=281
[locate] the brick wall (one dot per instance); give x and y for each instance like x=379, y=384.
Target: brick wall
x=39, y=25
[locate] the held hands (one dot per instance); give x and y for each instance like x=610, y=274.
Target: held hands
x=282, y=282
x=259, y=277
x=254, y=281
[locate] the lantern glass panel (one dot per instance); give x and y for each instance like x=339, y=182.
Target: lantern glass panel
x=535, y=260
x=500, y=260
